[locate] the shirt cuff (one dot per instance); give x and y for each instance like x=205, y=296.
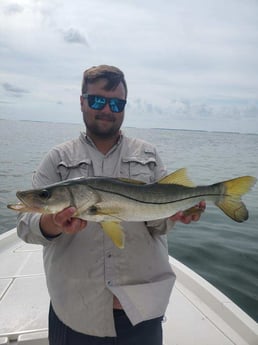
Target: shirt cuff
x=29, y=230
x=160, y=226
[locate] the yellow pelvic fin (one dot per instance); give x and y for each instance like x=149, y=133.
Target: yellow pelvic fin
x=231, y=203
x=115, y=232
x=177, y=177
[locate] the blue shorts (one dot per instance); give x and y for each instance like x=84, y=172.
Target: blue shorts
x=147, y=332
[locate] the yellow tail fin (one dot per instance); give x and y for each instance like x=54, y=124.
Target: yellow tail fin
x=231, y=203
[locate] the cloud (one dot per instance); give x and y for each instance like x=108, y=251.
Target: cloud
x=74, y=36
x=187, y=114
x=13, y=90
x=13, y=8
x=187, y=64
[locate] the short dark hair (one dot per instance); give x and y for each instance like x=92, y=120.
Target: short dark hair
x=112, y=74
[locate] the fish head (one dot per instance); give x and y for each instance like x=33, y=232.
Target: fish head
x=45, y=200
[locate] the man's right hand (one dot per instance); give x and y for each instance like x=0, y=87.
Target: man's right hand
x=55, y=224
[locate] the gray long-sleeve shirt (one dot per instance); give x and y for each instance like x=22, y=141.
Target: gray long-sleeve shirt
x=85, y=270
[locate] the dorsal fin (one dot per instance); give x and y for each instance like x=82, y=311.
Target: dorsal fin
x=177, y=177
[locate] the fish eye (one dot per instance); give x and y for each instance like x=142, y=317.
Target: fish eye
x=44, y=194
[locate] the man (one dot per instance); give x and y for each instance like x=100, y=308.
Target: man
x=101, y=294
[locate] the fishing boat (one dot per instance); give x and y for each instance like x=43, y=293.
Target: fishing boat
x=198, y=313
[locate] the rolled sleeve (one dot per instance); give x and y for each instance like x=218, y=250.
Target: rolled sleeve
x=28, y=229
x=160, y=226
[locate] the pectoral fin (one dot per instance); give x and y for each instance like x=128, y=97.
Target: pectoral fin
x=192, y=210
x=115, y=232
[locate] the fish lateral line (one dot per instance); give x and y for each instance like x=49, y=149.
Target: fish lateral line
x=158, y=203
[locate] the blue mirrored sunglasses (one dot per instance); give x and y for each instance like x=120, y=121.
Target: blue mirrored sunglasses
x=96, y=102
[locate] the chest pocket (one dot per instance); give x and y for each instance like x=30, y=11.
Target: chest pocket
x=68, y=170
x=141, y=169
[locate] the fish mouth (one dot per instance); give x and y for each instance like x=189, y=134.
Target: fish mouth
x=20, y=207
x=21, y=198
x=29, y=204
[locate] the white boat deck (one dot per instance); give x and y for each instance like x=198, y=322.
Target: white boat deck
x=197, y=313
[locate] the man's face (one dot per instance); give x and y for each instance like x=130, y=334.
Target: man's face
x=102, y=123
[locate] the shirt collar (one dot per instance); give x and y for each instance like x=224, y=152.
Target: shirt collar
x=89, y=141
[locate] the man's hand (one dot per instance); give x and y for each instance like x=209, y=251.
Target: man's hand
x=55, y=224
x=193, y=214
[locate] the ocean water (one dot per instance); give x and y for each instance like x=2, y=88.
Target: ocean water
x=222, y=251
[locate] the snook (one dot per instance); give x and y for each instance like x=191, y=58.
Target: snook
x=110, y=201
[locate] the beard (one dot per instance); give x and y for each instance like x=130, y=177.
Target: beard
x=96, y=127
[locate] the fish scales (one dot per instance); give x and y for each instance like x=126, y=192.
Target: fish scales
x=154, y=193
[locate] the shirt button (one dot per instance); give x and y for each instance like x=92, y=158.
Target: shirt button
x=109, y=256
x=109, y=282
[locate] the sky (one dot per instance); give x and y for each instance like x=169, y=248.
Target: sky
x=189, y=64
